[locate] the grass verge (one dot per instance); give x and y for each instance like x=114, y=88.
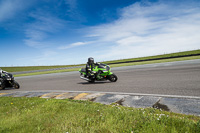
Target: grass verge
x=47, y=72
x=32, y=68
x=156, y=61
x=51, y=115
x=186, y=53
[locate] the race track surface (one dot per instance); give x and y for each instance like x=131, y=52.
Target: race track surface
x=180, y=78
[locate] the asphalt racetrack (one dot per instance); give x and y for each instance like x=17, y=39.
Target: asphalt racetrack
x=178, y=78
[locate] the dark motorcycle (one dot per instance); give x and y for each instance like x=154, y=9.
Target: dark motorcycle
x=7, y=80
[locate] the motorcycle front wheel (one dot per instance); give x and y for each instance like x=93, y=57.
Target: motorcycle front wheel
x=2, y=84
x=16, y=85
x=113, y=78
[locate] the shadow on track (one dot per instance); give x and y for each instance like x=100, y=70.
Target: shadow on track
x=8, y=89
x=99, y=82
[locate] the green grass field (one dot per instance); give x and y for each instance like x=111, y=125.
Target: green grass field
x=36, y=115
x=157, y=56
x=30, y=68
x=156, y=61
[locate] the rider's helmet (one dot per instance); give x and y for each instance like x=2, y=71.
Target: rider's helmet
x=90, y=60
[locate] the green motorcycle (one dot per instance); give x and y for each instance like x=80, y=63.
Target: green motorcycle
x=101, y=72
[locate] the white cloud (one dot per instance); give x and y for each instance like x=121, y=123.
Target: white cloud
x=150, y=29
x=74, y=45
x=10, y=8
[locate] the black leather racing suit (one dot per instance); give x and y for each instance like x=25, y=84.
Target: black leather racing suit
x=89, y=68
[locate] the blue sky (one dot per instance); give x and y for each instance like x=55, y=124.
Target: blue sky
x=61, y=32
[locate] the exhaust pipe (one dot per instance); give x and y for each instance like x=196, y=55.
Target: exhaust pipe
x=84, y=78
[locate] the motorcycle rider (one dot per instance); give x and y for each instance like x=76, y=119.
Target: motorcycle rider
x=89, y=68
x=1, y=72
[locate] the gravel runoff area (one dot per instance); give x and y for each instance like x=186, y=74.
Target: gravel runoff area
x=184, y=105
